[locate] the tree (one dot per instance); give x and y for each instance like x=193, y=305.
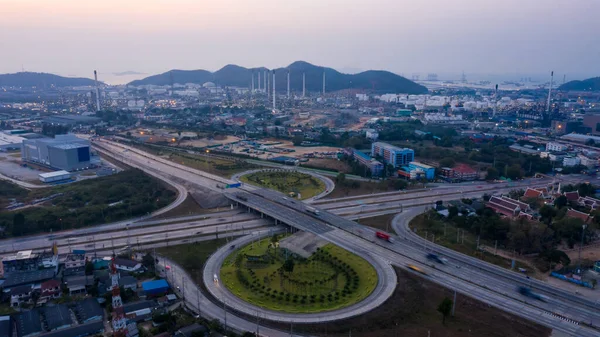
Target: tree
x=452, y=211
x=148, y=262
x=89, y=268
x=288, y=265
x=514, y=172
x=297, y=140
x=590, y=142
x=492, y=173
x=341, y=178
x=18, y=223
x=445, y=307
x=560, y=202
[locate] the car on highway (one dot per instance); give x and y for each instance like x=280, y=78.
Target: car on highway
x=437, y=258
x=417, y=269
x=216, y=279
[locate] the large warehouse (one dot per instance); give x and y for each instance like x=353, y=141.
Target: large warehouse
x=65, y=152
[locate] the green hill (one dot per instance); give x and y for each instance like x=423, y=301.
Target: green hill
x=591, y=84
x=233, y=75
x=41, y=80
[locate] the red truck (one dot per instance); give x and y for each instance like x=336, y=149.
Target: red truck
x=384, y=236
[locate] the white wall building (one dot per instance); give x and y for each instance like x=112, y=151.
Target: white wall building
x=571, y=161
x=556, y=147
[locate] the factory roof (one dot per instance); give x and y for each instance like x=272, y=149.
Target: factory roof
x=86, y=329
x=14, y=279
x=5, y=326
x=54, y=174
x=68, y=146
x=421, y=165
x=88, y=309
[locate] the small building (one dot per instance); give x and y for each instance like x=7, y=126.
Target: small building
x=128, y=282
x=55, y=176
x=572, y=196
x=6, y=326
x=571, y=213
x=88, y=310
x=20, y=295
x=155, y=288
x=590, y=202
x=30, y=278
x=373, y=165
x=56, y=317
x=29, y=323
x=78, y=284
x=571, y=161
x=507, y=206
x=192, y=330
x=81, y=330
x=429, y=171
x=131, y=308
x=460, y=172
x=128, y=265
x=49, y=290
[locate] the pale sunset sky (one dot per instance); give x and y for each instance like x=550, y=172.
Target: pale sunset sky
x=73, y=37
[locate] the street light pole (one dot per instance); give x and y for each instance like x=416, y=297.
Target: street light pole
x=581, y=246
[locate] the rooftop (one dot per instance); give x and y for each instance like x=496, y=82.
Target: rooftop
x=421, y=165
x=28, y=322
x=27, y=277
x=57, y=316
x=54, y=174
x=88, y=309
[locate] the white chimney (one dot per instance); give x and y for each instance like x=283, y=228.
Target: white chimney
x=323, y=81
x=303, y=84
x=259, y=80
x=274, y=95
x=97, y=91
x=288, y=80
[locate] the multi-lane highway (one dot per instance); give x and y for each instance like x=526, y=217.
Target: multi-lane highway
x=494, y=287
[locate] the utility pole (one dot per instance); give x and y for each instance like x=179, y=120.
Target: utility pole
x=454, y=303
x=581, y=246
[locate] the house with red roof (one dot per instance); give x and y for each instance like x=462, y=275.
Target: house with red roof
x=571, y=213
x=507, y=206
x=460, y=172
x=590, y=202
x=572, y=196
x=49, y=290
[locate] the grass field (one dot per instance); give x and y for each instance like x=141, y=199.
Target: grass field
x=286, y=182
x=332, y=278
x=192, y=256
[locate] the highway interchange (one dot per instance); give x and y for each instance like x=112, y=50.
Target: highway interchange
x=565, y=312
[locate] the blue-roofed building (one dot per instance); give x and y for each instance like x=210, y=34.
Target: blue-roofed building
x=429, y=171
x=156, y=287
x=373, y=165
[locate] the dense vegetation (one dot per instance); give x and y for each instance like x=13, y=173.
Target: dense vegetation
x=521, y=235
x=89, y=202
x=233, y=75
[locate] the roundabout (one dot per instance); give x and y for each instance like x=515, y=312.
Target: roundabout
x=298, y=184
x=254, y=276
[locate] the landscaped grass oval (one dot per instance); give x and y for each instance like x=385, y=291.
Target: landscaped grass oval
x=272, y=278
x=288, y=182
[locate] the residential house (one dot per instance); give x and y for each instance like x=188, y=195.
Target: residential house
x=56, y=317
x=49, y=290
x=128, y=265
x=29, y=323
x=191, y=330
x=128, y=282
x=20, y=295
x=6, y=326
x=78, y=284
x=88, y=310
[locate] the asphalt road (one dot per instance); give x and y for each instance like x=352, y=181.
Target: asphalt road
x=486, y=286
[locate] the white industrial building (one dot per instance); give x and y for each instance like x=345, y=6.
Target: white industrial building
x=571, y=161
x=51, y=177
x=556, y=147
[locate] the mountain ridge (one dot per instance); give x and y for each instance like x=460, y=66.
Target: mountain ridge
x=238, y=76
x=590, y=84
x=33, y=79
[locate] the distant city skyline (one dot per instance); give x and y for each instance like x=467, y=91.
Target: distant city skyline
x=508, y=38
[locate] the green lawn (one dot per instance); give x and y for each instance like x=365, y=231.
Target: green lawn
x=192, y=256
x=330, y=279
x=286, y=182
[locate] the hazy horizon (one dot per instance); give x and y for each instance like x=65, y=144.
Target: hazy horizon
x=506, y=38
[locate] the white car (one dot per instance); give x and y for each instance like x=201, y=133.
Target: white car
x=216, y=278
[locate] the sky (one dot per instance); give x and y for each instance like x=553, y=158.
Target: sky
x=447, y=37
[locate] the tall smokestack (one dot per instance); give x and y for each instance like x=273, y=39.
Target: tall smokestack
x=303, y=84
x=97, y=91
x=252, y=90
x=288, y=84
x=550, y=91
x=323, y=81
x=259, y=80
x=495, y=101
x=274, y=94
x=269, y=84
x=265, y=81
